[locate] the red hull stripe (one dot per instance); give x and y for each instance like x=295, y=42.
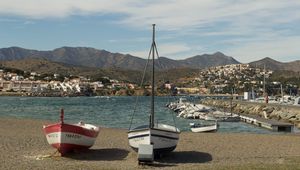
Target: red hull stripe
x=65, y=147
x=70, y=128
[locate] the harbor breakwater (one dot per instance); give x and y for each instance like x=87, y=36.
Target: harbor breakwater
x=285, y=113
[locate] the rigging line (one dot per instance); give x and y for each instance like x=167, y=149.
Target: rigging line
x=159, y=64
x=142, y=81
x=174, y=120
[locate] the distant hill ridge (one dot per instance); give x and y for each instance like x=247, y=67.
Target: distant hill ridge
x=94, y=58
x=44, y=66
x=276, y=65
x=91, y=57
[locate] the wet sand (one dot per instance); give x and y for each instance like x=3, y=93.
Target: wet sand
x=24, y=146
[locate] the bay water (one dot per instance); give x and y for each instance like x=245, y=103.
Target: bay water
x=113, y=112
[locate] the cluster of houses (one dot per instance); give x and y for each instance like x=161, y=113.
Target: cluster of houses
x=227, y=79
x=12, y=82
x=241, y=77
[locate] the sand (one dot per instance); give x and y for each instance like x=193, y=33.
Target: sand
x=24, y=146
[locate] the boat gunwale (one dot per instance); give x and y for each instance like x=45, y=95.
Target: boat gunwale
x=139, y=130
x=65, y=127
x=86, y=126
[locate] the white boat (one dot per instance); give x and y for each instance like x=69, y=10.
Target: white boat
x=164, y=138
x=209, y=118
x=297, y=101
x=198, y=127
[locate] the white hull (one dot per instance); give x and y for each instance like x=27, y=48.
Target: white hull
x=162, y=139
x=70, y=138
x=211, y=128
x=209, y=118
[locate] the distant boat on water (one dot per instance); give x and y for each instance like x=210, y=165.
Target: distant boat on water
x=199, y=127
x=69, y=137
x=297, y=101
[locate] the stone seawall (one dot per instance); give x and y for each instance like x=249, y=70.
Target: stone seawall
x=285, y=113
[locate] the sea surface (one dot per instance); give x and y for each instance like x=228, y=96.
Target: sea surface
x=112, y=112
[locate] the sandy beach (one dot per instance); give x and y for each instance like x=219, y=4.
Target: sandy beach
x=24, y=146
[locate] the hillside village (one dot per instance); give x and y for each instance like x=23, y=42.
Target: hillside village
x=237, y=79
x=33, y=85
x=227, y=79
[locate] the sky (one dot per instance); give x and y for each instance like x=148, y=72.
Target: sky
x=247, y=30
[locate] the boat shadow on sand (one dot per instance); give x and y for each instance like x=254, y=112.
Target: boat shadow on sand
x=182, y=157
x=186, y=157
x=105, y=154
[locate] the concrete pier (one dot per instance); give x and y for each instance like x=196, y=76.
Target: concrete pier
x=267, y=123
x=270, y=112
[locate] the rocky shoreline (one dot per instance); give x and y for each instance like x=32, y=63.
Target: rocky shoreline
x=285, y=113
x=122, y=92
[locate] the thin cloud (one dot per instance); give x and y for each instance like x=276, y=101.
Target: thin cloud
x=165, y=50
x=135, y=40
x=279, y=48
x=29, y=22
x=39, y=9
x=170, y=14
x=171, y=49
x=239, y=27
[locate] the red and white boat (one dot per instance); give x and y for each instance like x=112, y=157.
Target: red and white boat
x=69, y=137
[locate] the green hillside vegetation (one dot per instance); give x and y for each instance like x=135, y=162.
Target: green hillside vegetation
x=47, y=68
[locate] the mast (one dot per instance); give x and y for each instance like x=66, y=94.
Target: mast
x=152, y=83
x=62, y=116
x=264, y=79
x=281, y=91
x=231, y=98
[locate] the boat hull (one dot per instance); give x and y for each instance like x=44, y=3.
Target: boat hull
x=69, y=137
x=211, y=128
x=163, y=141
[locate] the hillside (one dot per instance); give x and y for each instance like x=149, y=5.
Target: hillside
x=275, y=65
x=90, y=57
x=44, y=66
x=209, y=60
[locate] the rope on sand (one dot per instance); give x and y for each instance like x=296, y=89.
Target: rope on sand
x=42, y=157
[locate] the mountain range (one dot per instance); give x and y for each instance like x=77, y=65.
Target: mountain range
x=271, y=64
x=90, y=57
x=83, y=59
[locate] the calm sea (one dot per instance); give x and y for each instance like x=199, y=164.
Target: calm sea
x=104, y=111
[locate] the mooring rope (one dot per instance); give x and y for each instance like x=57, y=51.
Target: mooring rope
x=141, y=84
x=160, y=65
x=42, y=157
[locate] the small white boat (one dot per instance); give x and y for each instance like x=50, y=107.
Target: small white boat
x=198, y=127
x=67, y=137
x=209, y=118
x=297, y=101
